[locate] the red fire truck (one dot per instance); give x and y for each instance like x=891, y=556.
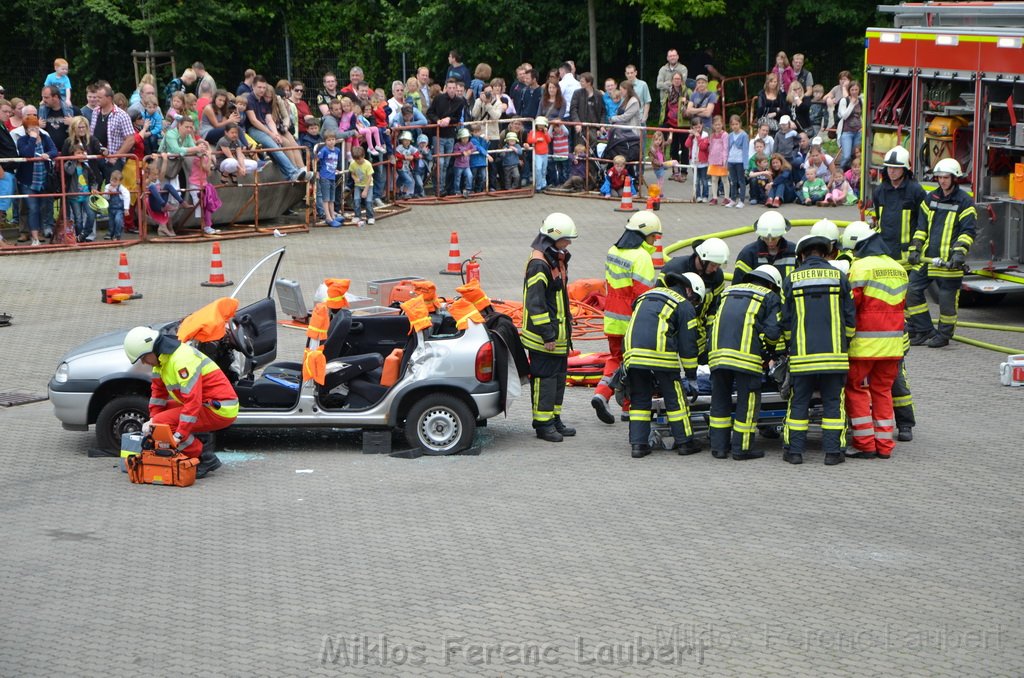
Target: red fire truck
x=947, y=80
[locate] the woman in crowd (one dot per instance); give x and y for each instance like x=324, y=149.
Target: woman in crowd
x=283, y=88
x=413, y=95
x=848, y=128
x=281, y=115
x=216, y=116
x=798, y=105
x=675, y=104
x=625, y=141
x=301, y=107
x=770, y=102
x=552, y=105
x=78, y=133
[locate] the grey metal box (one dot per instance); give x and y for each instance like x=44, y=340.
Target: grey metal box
x=380, y=290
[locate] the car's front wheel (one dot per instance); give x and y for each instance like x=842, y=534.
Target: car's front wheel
x=440, y=424
x=124, y=414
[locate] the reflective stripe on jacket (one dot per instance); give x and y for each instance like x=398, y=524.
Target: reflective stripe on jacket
x=195, y=381
x=756, y=254
x=546, y=314
x=947, y=223
x=817, y=317
x=629, y=273
x=748, y=320
x=879, y=286
x=662, y=333
x=897, y=212
x=714, y=285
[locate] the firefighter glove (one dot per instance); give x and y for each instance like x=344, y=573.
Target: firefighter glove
x=958, y=259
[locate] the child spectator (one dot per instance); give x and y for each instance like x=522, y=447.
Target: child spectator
x=190, y=108
x=760, y=175
x=697, y=143
x=617, y=176
x=311, y=137
x=381, y=113
x=161, y=197
x=59, y=79
x=204, y=195
x=818, y=111
x=539, y=141
x=656, y=156
x=369, y=131
x=230, y=146
x=81, y=182
x=577, y=180
x=780, y=188
x=406, y=157
x=739, y=146
x=119, y=202
x=787, y=140
x=839, y=191
x=853, y=178
x=151, y=112
x=612, y=97
x=764, y=134
x=481, y=76
x=362, y=193
x=424, y=165
x=463, y=178
x=814, y=190
x=328, y=159
x=478, y=162
x=718, y=157
x=559, y=152
x=176, y=112
x=783, y=71
x=511, y=159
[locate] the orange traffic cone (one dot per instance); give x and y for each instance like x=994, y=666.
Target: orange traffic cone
x=124, y=276
x=454, y=257
x=659, y=253
x=627, y=198
x=216, y=270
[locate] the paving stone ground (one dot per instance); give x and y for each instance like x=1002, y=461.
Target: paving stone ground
x=303, y=556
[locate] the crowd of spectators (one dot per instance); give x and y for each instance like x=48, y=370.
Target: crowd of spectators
x=461, y=131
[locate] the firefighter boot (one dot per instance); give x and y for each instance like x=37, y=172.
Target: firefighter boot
x=686, y=447
x=208, y=462
x=600, y=405
x=833, y=458
x=919, y=338
x=566, y=431
x=793, y=457
x=747, y=455
x=937, y=341
x=640, y=451
x=549, y=433
x=906, y=434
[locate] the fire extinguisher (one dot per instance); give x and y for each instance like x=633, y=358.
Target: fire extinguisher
x=471, y=269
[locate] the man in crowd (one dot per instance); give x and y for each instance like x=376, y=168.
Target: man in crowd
x=640, y=88
x=701, y=105
x=587, y=105
x=423, y=78
x=457, y=69
x=355, y=78
x=665, y=73
x=204, y=81
x=258, y=107
x=55, y=116
x=245, y=87
x=112, y=127
x=446, y=111
x=567, y=82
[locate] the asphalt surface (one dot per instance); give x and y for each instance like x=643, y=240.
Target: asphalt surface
x=302, y=556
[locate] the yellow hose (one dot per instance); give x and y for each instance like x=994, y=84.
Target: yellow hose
x=741, y=230
x=984, y=344
x=999, y=276
x=987, y=326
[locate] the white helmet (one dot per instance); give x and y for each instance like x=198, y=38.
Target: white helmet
x=948, y=166
x=696, y=284
x=139, y=341
x=810, y=240
x=645, y=221
x=558, y=225
x=827, y=229
x=771, y=224
x=714, y=250
x=897, y=156
x=855, y=232
x=768, y=273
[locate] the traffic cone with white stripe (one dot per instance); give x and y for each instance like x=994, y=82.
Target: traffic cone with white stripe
x=124, y=276
x=454, y=257
x=627, y=198
x=659, y=253
x=216, y=270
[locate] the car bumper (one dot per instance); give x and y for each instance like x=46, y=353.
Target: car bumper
x=70, y=407
x=487, y=404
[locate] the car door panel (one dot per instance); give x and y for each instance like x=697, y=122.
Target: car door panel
x=260, y=323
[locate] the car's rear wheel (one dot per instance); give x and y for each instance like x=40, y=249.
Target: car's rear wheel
x=124, y=414
x=440, y=424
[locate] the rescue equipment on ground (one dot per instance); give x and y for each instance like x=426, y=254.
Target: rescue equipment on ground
x=159, y=463
x=1011, y=373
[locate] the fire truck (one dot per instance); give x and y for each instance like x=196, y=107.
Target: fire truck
x=947, y=80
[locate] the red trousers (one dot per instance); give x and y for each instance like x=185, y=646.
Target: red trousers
x=615, y=343
x=869, y=404
x=208, y=421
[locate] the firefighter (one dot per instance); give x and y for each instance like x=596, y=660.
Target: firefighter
x=661, y=338
x=945, y=233
x=628, y=273
x=879, y=285
x=771, y=247
x=817, y=323
x=902, y=399
x=746, y=327
x=547, y=323
x=827, y=229
x=897, y=200
x=188, y=392
x=707, y=260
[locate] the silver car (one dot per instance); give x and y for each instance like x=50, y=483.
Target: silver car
x=449, y=381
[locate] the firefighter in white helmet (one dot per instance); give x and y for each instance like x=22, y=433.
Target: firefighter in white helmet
x=943, y=237
x=628, y=273
x=707, y=260
x=897, y=204
x=771, y=247
x=547, y=323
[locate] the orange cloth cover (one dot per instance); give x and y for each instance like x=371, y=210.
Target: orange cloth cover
x=314, y=365
x=474, y=294
x=210, y=322
x=336, y=288
x=419, y=317
x=463, y=311
x=318, y=323
x=428, y=291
